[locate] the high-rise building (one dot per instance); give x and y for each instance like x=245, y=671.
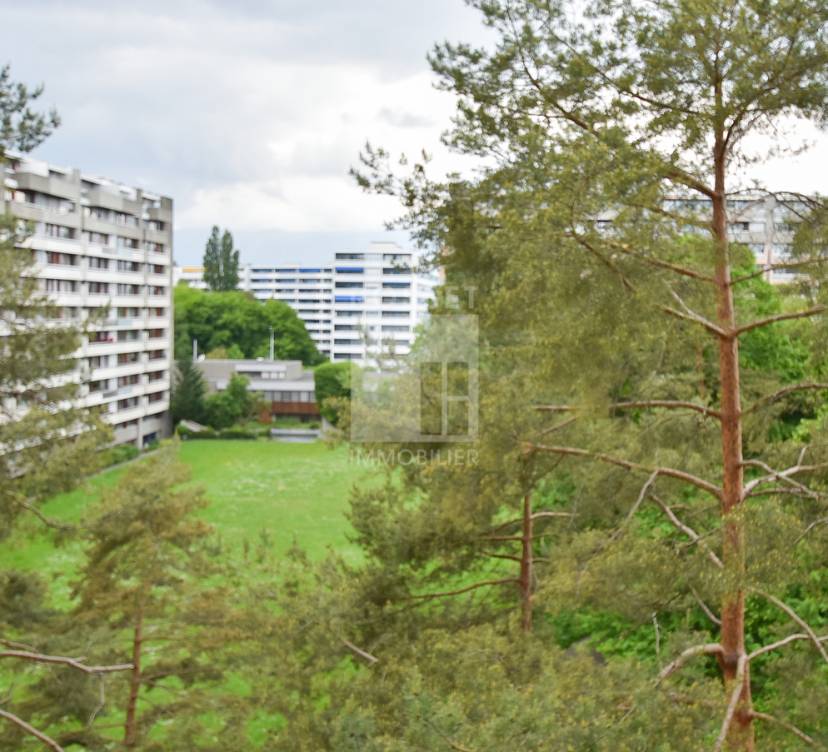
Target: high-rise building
x=363, y=305
x=104, y=247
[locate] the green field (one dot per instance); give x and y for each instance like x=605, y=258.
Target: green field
x=284, y=492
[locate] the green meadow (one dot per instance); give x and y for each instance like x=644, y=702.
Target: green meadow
x=258, y=491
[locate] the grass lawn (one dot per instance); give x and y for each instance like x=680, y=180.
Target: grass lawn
x=286, y=491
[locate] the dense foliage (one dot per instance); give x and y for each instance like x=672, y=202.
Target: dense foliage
x=237, y=321
x=221, y=261
x=332, y=384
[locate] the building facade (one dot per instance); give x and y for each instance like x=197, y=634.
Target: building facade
x=287, y=387
x=105, y=249
x=362, y=307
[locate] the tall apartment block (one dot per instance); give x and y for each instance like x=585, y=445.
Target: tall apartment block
x=764, y=222
x=363, y=305
x=100, y=246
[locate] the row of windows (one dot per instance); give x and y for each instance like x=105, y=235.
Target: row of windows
x=55, y=258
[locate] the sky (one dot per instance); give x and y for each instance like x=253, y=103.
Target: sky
x=249, y=113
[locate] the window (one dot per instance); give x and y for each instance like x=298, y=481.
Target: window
x=129, y=266
x=58, y=231
x=98, y=263
x=129, y=290
x=101, y=337
x=127, y=243
x=98, y=288
x=61, y=259
x=154, y=247
x=97, y=238
x=154, y=224
x=60, y=285
x=127, y=358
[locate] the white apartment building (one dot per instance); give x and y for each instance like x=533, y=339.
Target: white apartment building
x=104, y=247
x=765, y=223
x=363, y=306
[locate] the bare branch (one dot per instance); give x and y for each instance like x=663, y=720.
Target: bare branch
x=780, y=317
x=781, y=643
x=779, y=266
x=661, y=264
x=814, y=524
x=645, y=489
x=787, y=726
x=668, y=472
x=696, y=319
x=734, y=702
x=688, y=531
x=783, y=475
x=372, y=659
x=776, y=396
x=459, y=591
x=31, y=730
x=640, y=405
x=708, y=612
x=710, y=648
x=75, y=663
x=798, y=619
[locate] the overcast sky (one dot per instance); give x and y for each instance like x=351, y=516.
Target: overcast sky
x=250, y=112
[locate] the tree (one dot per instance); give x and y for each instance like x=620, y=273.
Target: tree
x=149, y=590
x=331, y=382
x=187, y=402
x=21, y=127
x=237, y=321
x=46, y=443
x=221, y=262
x=227, y=407
x=648, y=127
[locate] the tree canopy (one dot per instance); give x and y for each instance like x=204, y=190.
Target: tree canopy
x=237, y=320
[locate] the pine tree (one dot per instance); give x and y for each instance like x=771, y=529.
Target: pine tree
x=149, y=592
x=47, y=444
x=617, y=159
x=189, y=393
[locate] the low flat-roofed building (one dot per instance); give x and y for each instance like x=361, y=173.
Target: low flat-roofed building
x=286, y=384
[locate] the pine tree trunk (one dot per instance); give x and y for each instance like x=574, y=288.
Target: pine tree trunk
x=131, y=723
x=740, y=736
x=526, y=565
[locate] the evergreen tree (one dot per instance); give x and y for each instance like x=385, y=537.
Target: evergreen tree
x=187, y=402
x=46, y=444
x=149, y=592
x=641, y=339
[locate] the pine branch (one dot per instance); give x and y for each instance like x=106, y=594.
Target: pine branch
x=776, y=396
x=645, y=489
x=733, y=704
x=778, y=267
x=696, y=319
x=31, y=730
x=640, y=405
x=787, y=726
x=798, y=619
x=372, y=659
x=708, y=612
x=780, y=317
x=668, y=472
x=75, y=663
x=781, y=643
x=459, y=591
x=783, y=475
x=688, y=531
x=710, y=648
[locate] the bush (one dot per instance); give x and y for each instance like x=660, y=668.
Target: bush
x=121, y=453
